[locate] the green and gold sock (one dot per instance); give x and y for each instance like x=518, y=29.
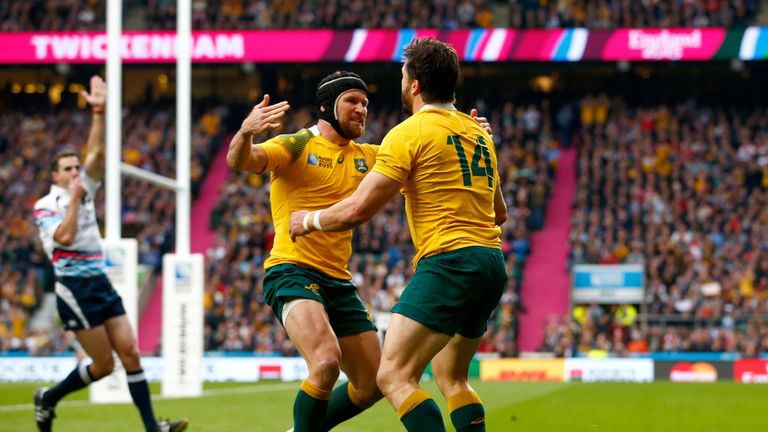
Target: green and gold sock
x=341, y=407
x=309, y=408
x=420, y=413
x=467, y=412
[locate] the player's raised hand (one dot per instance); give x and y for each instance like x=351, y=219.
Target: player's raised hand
x=264, y=117
x=76, y=190
x=297, y=228
x=98, y=95
x=482, y=121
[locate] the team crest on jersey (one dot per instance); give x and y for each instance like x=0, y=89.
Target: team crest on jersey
x=361, y=165
x=312, y=159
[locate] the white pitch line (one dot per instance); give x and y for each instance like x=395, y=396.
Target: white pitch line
x=206, y=393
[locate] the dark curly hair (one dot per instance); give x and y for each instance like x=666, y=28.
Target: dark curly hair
x=435, y=65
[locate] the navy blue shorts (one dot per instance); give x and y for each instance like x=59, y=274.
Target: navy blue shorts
x=86, y=302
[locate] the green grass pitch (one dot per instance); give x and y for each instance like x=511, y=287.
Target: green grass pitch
x=523, y=407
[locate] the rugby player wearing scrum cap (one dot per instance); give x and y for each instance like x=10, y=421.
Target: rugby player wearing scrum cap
x=307, y=283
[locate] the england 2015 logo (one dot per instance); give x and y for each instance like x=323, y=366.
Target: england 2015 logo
x=114, y=257
x=183, y=276
x=361, y=165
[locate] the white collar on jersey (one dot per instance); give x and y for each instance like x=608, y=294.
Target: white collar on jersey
x=444, y=106
x=314, y=130
x=57, y=188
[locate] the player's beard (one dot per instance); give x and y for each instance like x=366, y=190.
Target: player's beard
x=352, y=130
x=407, y=99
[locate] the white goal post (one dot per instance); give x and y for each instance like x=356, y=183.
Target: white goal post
x=182, y=338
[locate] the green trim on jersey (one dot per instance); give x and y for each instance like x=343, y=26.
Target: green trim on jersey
x=295, y=142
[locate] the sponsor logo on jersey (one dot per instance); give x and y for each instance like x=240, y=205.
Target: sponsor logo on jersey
x=325, y=162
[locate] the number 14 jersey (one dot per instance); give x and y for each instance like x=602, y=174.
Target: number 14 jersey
x=447, y=164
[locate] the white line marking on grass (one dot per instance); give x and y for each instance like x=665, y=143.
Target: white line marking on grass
x=206, y=393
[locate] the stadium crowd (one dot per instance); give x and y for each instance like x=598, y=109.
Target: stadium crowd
x=597, y=331
x=28, y=142
x=78, y=15
x=453, y=14
x=683, y=190
x=237, y=318
x=610, y=14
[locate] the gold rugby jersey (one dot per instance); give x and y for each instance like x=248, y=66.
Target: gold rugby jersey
x=447, y=164
x=308, y=172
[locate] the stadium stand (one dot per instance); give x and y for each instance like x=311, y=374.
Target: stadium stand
x=453, y=14
x=681, y=189
x=651, y=189
x=60, y=15
x=609, y=14
x=351, y=14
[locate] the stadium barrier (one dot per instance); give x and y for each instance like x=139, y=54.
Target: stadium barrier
x=693, y=371
x=248, y=368
x=238, y=368
x=474, y=370
x=523, y=370
x=751, y=371
x=618, y=370
x=695, y=356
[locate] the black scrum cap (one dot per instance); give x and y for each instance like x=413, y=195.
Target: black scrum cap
x=330, y=89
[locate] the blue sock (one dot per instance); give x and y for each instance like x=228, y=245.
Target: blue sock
x=79, y=378
x=139, y=389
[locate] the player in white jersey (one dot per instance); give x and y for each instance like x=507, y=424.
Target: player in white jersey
x=86, y=301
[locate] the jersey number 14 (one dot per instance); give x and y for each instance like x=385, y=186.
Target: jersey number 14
x=480, y=153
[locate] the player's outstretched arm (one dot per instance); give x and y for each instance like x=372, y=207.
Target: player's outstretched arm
x=94, y=159
x=375, y=191
x=243, y=154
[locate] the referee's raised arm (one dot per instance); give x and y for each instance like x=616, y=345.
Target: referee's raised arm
x=94, y=159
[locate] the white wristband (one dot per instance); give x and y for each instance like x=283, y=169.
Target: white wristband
x=316, y=220
x=306, y=221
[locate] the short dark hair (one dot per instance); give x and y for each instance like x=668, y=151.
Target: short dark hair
x=61, y=155
x=435, y=65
